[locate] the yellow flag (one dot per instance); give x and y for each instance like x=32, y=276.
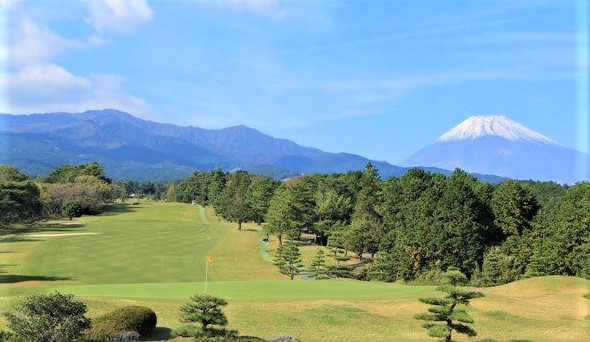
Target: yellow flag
x=209, y=258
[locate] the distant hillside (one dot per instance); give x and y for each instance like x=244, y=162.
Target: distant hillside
x=132, y=148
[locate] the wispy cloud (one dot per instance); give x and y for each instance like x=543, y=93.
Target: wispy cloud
x=273, y=9
x=37, y=44
x=49, y=87
x=118, y=15
x=32, y=81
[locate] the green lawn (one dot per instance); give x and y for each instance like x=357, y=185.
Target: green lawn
x=270, y=290
x=155, y=254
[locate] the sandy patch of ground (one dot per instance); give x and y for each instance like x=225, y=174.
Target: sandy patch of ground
x=59, y=234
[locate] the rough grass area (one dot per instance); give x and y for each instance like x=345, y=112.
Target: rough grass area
x=154, y=254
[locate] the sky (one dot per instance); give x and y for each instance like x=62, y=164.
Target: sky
x=379, y=78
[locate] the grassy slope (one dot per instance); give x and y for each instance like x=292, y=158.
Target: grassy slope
x=154, y=254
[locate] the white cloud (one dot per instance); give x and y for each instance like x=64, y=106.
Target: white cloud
x=273, y=9
x=49, y=88
x=37, y=44
x=30, y=80
x=9, y=3
x=118, y=15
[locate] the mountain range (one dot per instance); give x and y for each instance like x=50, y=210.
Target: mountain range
x=500, y=146
x=132, y=148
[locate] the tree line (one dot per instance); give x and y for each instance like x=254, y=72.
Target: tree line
x=406, y=228
x=413, y=227
x=67, y=191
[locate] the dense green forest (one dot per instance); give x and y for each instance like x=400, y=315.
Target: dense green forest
x=413, y=227
x=410, y=228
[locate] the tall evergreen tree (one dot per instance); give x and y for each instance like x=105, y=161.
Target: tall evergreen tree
x=367, y=224
x=215, y=186
x=318, y=266
x=459, y=233
x=288, y=259
x=260, y=193
x=332, y=209
x=514, y=207
x=447, y=310
x=276, y=219
x=565, y=244
x=234, y=198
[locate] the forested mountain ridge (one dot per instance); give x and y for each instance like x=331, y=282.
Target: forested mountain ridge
x=132, y=148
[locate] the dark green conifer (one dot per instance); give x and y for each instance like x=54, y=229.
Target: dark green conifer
x=448, y=309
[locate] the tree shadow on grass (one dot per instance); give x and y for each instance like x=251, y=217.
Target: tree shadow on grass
x=159, y=334
x=51, y=227
x=248, y=230
x=16, y=278
x=17, y=239
x=5, y=265
x=492, y=340
x=120, y=208
x=40, y=227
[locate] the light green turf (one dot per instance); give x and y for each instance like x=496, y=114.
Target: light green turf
x=161, y=243
x=283, y=290
x=154, y=254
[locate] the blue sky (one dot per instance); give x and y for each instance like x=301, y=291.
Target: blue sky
x=377, y=78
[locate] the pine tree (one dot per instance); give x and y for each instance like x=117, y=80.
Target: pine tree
x=204, y=309
x=234, y=203
x=495, y=269
x=279, y=259
x=445, y=309
x=260, y=193
x=288, y=259
x=318, y=266
x=367, y=221
x=338, y=253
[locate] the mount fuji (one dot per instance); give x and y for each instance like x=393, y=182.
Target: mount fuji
x=500, y=146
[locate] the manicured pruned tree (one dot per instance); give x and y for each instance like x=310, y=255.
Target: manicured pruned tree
x=52, y=317
x=288, y=259
x=446, y=309
x=204, y=309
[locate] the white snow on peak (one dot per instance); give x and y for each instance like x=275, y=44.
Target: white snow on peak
x=494, y=125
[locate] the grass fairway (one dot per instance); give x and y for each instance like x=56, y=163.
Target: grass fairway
x=154, y=254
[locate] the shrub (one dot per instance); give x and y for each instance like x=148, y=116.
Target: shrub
x=71, y=208
x=208, y=334
x=188, y=330
x=52, y=317
x=140, y=319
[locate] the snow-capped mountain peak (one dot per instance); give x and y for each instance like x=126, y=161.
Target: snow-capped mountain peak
x=493, y=125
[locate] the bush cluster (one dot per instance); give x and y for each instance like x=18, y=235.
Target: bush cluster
x=138, y=319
